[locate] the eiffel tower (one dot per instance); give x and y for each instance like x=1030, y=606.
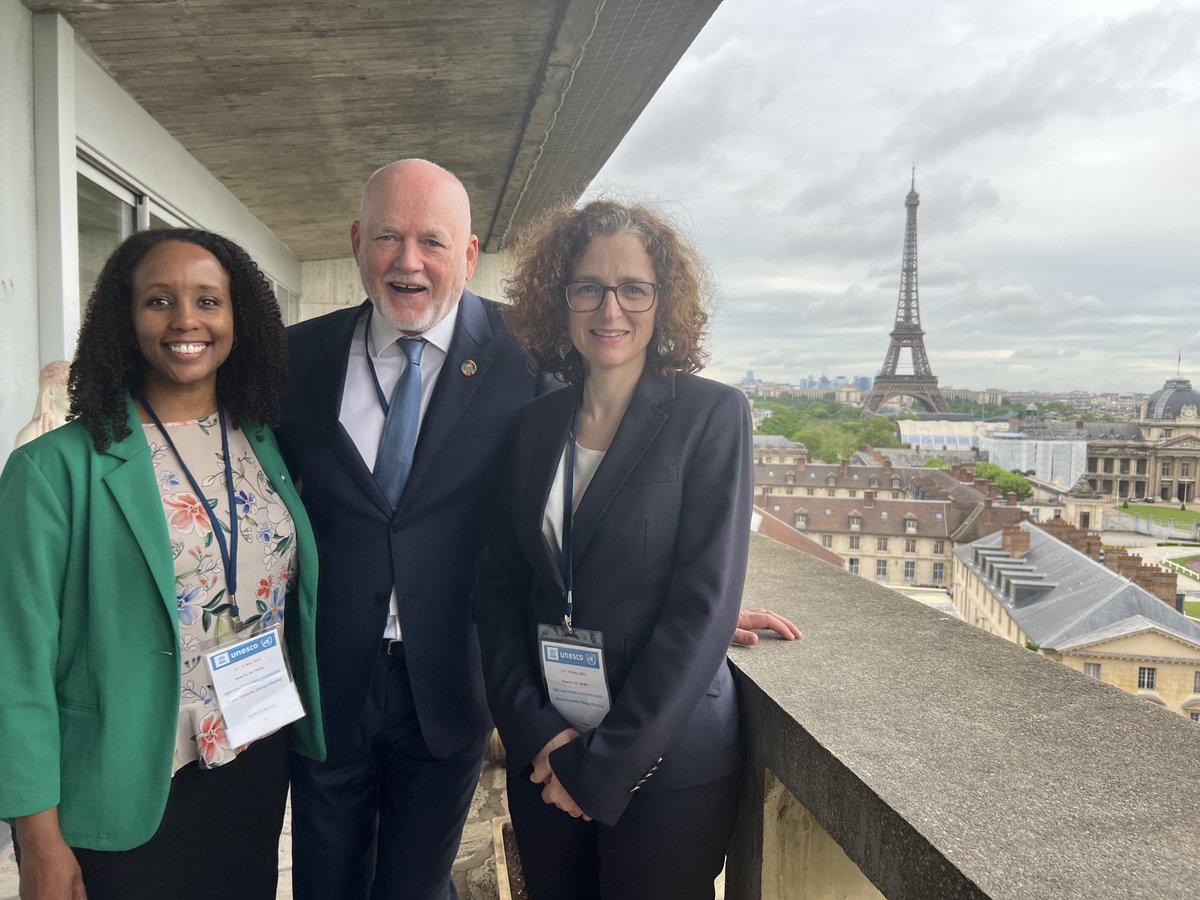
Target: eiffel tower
x=922, y=384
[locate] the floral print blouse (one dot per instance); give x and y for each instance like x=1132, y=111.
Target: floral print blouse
x=266, y=565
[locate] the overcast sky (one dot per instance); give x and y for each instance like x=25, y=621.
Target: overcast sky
x=1057, y=147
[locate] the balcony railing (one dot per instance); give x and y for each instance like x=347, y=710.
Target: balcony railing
x=896, y=750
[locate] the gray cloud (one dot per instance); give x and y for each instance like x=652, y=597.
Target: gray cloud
x=1055, y=145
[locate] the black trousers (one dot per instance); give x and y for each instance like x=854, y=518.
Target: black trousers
x=219, y=836
x=668, y=844
x=383, y=822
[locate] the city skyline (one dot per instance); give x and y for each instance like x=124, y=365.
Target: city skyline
x=1051, y=144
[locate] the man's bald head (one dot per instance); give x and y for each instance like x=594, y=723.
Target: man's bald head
x=413, y=242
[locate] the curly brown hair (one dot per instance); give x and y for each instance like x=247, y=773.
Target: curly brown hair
x=108, y=366
x=547, y=255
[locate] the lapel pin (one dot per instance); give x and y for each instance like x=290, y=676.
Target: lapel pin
x=469, y=368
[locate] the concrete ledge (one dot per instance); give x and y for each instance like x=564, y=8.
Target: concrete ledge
x=946, y=762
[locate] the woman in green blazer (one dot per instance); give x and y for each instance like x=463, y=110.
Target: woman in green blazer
x=123, y=536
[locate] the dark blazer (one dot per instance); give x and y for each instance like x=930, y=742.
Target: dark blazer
x=430, y=547
x=89, y=645
x=661, y=537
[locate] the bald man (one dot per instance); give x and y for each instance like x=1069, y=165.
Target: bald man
x=396, y=417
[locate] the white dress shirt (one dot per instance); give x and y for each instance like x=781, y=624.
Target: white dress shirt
x=360, y=412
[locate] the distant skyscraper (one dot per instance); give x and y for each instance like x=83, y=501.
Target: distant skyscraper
x=922, y=384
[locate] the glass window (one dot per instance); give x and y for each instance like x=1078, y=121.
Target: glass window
x=827, y=540
x=939, y=573
x=852, y=565
x=1091, y=670
x=106, y=217
x=910, y=572
x=1196, y=682
x=881, y=543
x=1147, y=677
x=854, y=542
x=939, y=547
x=910, y=545
x=881, y=570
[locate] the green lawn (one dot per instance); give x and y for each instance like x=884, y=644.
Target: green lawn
x=1160, y=512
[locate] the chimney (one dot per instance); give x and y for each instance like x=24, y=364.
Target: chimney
x=981, y=485
x=887, y=467
x=992, y=491
x=1164, y=586
x=1011, y=498
x=1128, y=566
x=956, y=472
x=845, y=468
x=869, y=499
x=1094, y=546
x=1112, y=559
x=1014, y=540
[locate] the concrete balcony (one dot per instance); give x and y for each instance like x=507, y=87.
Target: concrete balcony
x=896, y=751
x=899, y=752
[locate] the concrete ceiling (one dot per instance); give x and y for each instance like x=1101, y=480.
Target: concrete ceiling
x=293, y=103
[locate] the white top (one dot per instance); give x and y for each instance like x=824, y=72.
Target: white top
x=586, y=463
x=360, y=412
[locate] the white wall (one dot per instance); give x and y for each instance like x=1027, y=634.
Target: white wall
x=18, y=247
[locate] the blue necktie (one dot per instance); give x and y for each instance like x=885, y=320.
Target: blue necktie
x=399, y=439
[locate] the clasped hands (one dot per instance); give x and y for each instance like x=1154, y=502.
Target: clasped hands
x=553, y=792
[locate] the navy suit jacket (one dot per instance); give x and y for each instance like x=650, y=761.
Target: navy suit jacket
x=661, y=539
x=429, y=547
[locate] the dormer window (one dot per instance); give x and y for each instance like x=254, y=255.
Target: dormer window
x=895, y=482
x=789, y=478
x=874, y=481
x=910, y=526
x=856, y=523
x=801, y=520
x=831, y=480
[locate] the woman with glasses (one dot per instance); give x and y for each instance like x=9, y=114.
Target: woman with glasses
x=615, y=569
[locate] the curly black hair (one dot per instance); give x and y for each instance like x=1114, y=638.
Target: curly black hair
x=108, y=366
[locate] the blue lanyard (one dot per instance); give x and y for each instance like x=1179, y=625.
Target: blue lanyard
x=383, y=400
x=229, y=549
x=568, y=538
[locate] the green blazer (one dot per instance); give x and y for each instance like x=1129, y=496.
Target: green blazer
x=89, y=636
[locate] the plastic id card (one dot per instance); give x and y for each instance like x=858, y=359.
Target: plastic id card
x=573, y=670
x=253, y=686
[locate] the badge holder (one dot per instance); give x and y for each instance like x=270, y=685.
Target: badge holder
x=572, y=661
x=253, y=686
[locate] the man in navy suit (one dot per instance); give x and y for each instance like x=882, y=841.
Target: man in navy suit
x=402, y=692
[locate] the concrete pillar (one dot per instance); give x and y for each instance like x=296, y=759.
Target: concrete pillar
x=799, y=858
x=18, y=213
x=54, y=175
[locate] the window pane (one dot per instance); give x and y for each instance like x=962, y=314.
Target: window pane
x=104, y=221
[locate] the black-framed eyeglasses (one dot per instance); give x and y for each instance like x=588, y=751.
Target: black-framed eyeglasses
x=632, y=296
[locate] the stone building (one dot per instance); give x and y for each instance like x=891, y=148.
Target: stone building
x=1159, y=458
x=1046, y=587
x=897, y=526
